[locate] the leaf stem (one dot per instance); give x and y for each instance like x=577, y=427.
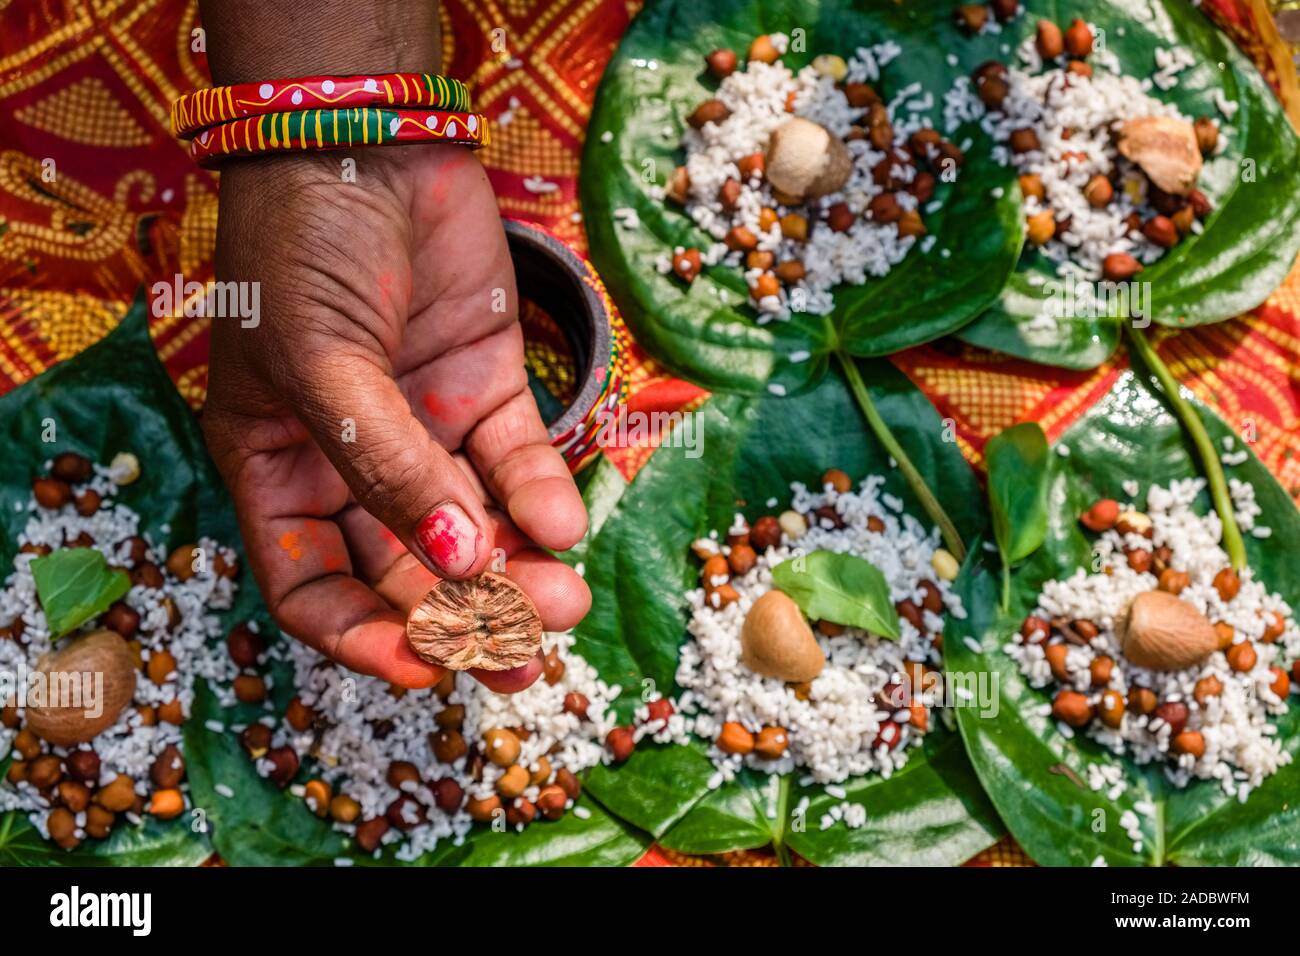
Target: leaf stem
x=1006, y=584
x=782, y=808
x=1186, y=414
x=914, y=480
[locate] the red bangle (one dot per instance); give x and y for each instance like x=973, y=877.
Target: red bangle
x=335, y=129
x=204, y=108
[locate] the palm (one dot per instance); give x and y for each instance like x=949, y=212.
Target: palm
x=410, y=275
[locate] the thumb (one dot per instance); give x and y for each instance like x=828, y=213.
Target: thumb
x=397, y=472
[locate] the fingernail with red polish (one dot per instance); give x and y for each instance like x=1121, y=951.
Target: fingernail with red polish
x=449, y=539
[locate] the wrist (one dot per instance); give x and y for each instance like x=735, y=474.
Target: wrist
x=251, y=40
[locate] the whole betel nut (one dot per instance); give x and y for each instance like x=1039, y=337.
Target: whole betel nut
x=99, y=653
x=1165, y=148
x=1162, y=632
x=805, y=160
x=776, y=641
x=487, y=623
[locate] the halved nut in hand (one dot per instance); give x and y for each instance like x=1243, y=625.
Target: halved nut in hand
x=486, y=622
x=1165, y=633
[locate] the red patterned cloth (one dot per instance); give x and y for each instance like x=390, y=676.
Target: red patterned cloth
x=96, y=199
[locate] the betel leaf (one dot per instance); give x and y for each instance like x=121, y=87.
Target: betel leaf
x=1017, y=460
x=75, y=585
x=706, y=332
x=1248, y=242
x=115, y=396
x=639, y=567
x=841, y=588
x=1027, y=767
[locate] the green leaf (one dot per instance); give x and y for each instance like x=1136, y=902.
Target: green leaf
x=1250, y=239
x=1026, y=765
x=115, y=396
x=639, y=568
x=705, y=332
x=841, y=588
x=75, y=585
x=1017, y=462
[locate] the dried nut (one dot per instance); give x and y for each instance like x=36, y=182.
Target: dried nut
x=551, y=801
x=513, y=782
x=790, y=271
x=1031, y=185
x=1100, y=670
x=1188, y=742
x=687, y=265
x=729, y=194
x=910, y=224
x=1165, y=148
x=805, y=160
x=1174, y=713
x=1102, y=516
x=249, y=688
x=1227, y=583
x=284, y=765
x=1183, y=220
x=1161, y=231
x=760, y=259
x=1072, y=708
x=99, y=822
x=83, y=766
x=993, y=91
x=172, y=712
x=51, y=492
x=181, y=562
x=1141, y=700
x=621, y=742
x=168, y=769
x=793, y=524
x=402, y=772
x=62, y=826
x=775, y=640
x=370, y=833
x=1078, y=39
x=722, y=62
x=1207, y=687
x=244, y=646
x=1134, y=522
x=794, y=226
x=972, y=17
x=1207, y=134
x=752, y=165
x=1040, y=227
x=1111, y=708
x=1164, y=633
x=945, y=565
x=1226, y=633
x=487, y=623
x=166, y=804
x=99, y=652
x=721, y=596
x=771, y=743
x=763, y=50
x=122, y=618
x=1078, y=68
x=299, y=716
x=1035, y=630
x=343, y=809
x=766, y=533
x=1024, y=140
x=884, y=208
x=256, y=740
x=1281, y=683
x=448, y=745
x=742, y=559
x=1098, y=191
x=317, y=795
x=715, y=571
x=764, y=286
x=118, y=796
x=566, y=781
x=840, y=217
x=1005, y=10
x=1120, y=267
x=483, y=809
x=710, y=111
x=87, y=503
x=1049, y=41
x=576, y=704
x=1242, y=657
x=837, y=479
x=1274, y=627
x=740, y=239
x=735, y=739
x=451, y=717
x=540, y=772
x=1173, y=582
x=1139, y=560
x=44, y=772
x=1056, y=656
x=678, y=186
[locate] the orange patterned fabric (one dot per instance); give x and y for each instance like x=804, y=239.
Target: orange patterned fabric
x=96, y=199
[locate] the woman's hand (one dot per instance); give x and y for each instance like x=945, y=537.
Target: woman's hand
x=376, y=427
